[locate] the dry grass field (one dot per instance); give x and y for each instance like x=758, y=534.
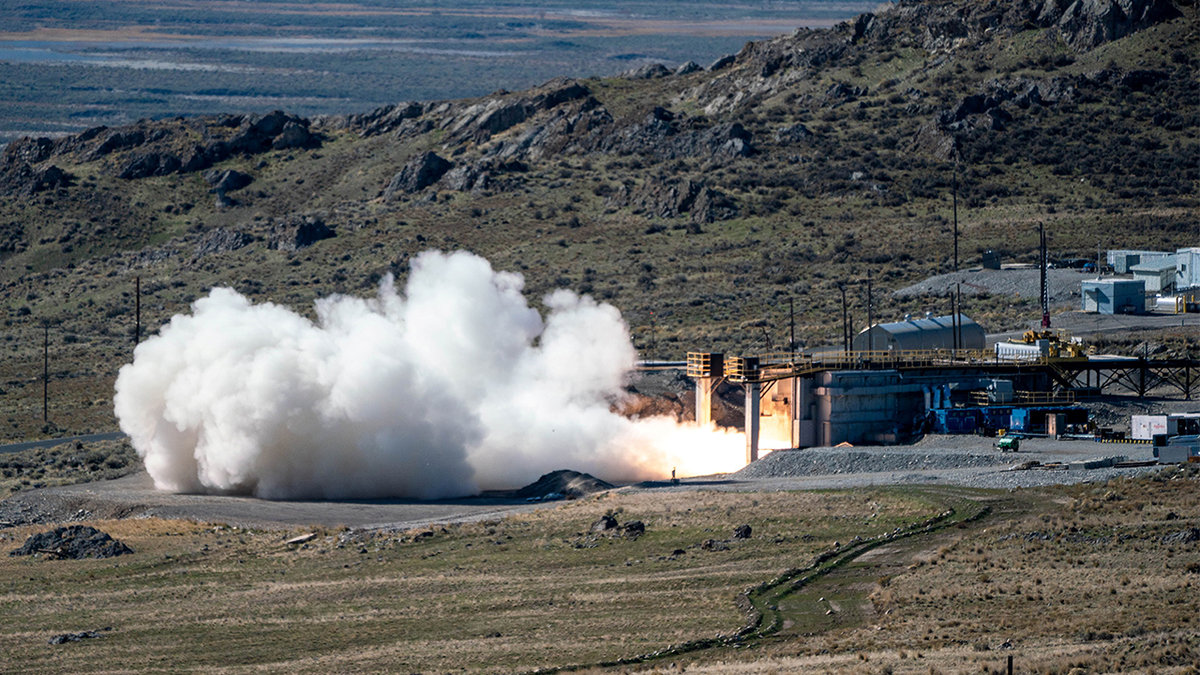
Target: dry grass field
x=1087, y=579
x=533, y=591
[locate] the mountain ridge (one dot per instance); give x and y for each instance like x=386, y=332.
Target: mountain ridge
x=704, y=203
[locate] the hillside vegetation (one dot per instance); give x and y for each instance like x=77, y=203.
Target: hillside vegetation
x=701, y=202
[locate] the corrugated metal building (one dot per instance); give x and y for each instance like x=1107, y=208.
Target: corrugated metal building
x=1114, y=296
x=921, y=334
x=1187, y=267
x=1159, y=274
x=1122, y=261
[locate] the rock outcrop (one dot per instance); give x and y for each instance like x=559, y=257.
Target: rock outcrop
x=221, y=240
x=671, y=198
x=420, y=172
x=298, y=231
x=151, y=148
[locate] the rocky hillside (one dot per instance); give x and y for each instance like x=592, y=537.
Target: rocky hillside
x=699, y=200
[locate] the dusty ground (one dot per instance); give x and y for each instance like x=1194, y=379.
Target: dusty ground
x=135, y=495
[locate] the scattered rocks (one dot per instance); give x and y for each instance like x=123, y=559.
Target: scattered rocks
x=823, y=461
x=73, y=542
x=792, y=134
x=671, y=198
x=1182, y=537
x=76, y=637
x=742, y=532
x=713, y=545
x=221, y=240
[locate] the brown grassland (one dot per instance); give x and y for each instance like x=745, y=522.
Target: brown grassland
x=1093, y=578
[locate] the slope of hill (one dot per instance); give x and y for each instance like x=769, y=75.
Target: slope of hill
x=700, y=202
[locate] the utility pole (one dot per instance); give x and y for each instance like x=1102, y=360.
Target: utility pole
x=955, y=191
x=1045, y=288
x=653, y=336
x=45, y=371
x=958, y=338
x=845, y=321
x=953, y=321
x=870, y=316
x=792, y=322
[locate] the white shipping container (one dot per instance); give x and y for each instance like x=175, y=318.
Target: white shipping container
x=1144, y=427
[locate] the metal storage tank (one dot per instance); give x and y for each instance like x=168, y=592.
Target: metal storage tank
x=921, y=334
x=1114, y=296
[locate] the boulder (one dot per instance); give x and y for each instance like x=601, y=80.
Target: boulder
x=419, y=173
x=604, y=524
x=792, y=134
x=650, y=71
x=297, y=232
x=742, y=532
x=228, y=180
x=688, y=68
x=293, y=135
x=634, y=529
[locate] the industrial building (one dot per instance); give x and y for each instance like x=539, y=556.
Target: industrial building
x=942, y=332
x=1187, y=267
x=1114, y=296
x=1123, y=261
x=884, y=397
x=1157, y=275
x=1146, y=427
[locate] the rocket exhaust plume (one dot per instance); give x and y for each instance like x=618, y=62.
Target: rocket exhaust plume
x=452, y=386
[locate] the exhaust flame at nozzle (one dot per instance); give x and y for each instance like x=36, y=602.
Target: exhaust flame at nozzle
x=453, y=386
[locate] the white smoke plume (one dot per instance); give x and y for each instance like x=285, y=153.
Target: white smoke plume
x=454, y=386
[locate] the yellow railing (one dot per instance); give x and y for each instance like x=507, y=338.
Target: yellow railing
x=778, y=366
x=981, y=398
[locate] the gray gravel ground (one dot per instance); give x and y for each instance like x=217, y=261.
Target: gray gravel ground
x=967, y=461
x=1063, y=284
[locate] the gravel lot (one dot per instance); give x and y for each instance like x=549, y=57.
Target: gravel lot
x=967, y=461
x=1026, y=282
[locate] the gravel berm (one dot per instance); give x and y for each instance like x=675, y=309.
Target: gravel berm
x=835, y=461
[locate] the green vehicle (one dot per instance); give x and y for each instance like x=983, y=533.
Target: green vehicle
x=1009, y=444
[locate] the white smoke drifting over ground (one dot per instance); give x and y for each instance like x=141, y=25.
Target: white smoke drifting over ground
x=455, y=385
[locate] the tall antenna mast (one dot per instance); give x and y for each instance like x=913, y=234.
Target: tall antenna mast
x=1045, y=288
x=955, y=190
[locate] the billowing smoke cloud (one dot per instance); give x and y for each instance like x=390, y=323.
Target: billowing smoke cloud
x=455, y=385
